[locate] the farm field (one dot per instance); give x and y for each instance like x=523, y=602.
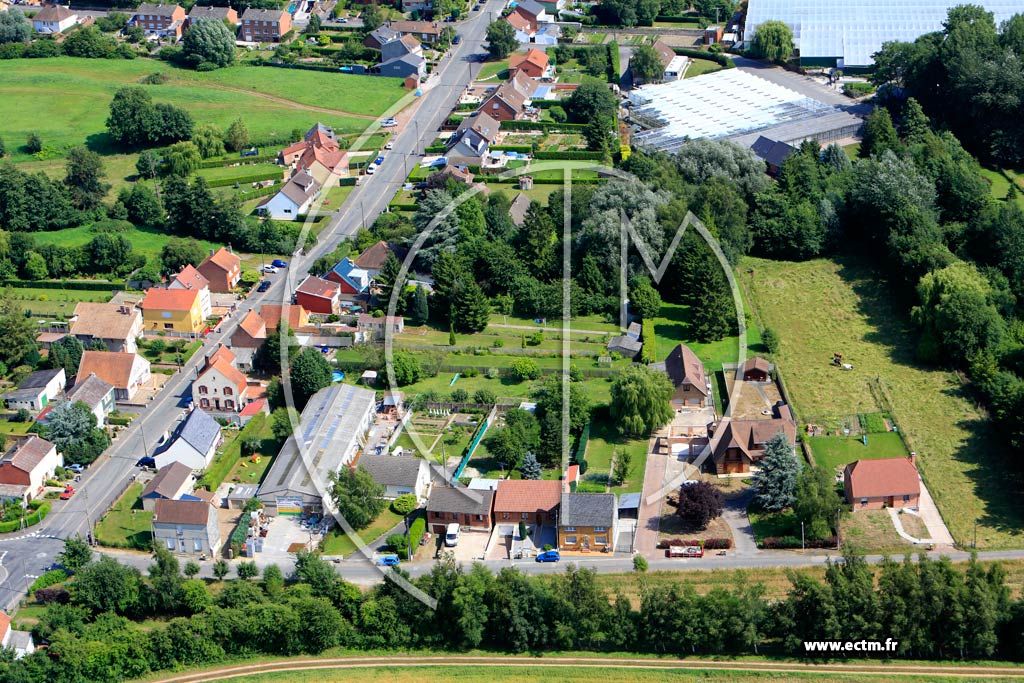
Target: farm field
x=822, y=306
x=65, y=99
x=146, y=241
x=54, y=303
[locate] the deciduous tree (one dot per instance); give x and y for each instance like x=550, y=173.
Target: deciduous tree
x=699, y=503
x=640, y=400
x=501, y=39
x=359, y=498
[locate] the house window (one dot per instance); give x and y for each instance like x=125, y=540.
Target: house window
x=170, y=544
x=202, y=389
x=204, y=403
x=197, y=544
x=600, y=529
x=863, y=501
x=570, y=529
x=229, y=404
x=525, y=515
x=906, y=499
x=479, y=518
x=570, y=540
x=227, y=391
x=505, y=515
x=601, y=540
x=168, y=326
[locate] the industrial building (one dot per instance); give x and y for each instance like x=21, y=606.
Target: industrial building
x=332, y=430
x=846, y=35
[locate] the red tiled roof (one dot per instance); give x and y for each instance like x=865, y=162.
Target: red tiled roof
x=374, y=257
x=191, y=278
x=254, y=408
x=525, y=495
x=271, y=313
x=531, y=56
x=254, y=325
x=521, y=22
x=112, y=368
x=169, y=299
x=883, y=477
x=756, y=363
x=185, y=512
x=221, y=353
x=315, y=286
x=224, y=259
x=230, y=373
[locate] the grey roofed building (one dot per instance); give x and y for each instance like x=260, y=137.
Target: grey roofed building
x=625, y=345
x=471, y=140
x=332, y=428
x=199, y=430
x=588, y=510
x=405, y=45
x=462, y=501
x=168, y=481
x=379, y=36
x=91, y=391
x=301, y=188
x=393, y=470
x=157, y=10
x=404, y=66
x=531, y=7
x=772, y=152
x=39, y=379
x=321, y=131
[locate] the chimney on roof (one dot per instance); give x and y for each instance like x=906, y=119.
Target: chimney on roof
x=913, y=458
x=211, y=252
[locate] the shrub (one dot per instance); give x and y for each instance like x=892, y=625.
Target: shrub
x=790, y=542
x=404, y=504
x=524, y=369
x=46, y=596
x=50, y=578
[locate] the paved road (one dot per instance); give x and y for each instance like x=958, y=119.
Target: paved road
x=26, y=555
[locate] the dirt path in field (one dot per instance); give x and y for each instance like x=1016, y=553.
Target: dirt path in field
x=887, y=670
x=289, y=103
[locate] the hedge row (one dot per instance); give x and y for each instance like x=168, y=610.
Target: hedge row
x=524, y=149
x=648, y=353
x=303, y=67
x=346, y=182
x=222, y=163
x=574, y=154
x=436, y=149
x=613, y=62
x=34, y=517
x=81, y=285
x=717, y=57
x=50, y=578
x=245, y=179
x=118, y=421
x=547, y=127
x=789, y=542
x=261, y=192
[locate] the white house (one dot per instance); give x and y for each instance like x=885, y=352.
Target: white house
x=54, y=20
x=192, y=279
x=116, y=325
x=398, y=474
x=19, y=641
x=27, y=465
x=186, y=527
x=37, y=390
x=95, y=393
x=221, y=386
x=294, y=199
x=127, y=372
x=195, y=442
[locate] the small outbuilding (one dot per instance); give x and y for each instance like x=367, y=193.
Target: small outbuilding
x=756, y=369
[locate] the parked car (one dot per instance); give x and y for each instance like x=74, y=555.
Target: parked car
x=146, y=461
x=379, y=160
x=389, y=123
x=67, y=492
x=76, y=468
x=389, y=145
x=457, y=39
x=251, y=152
x=278, y=263
x=370, y=169
x=388, y=560
x=264, y=286
x=451, y=535
x=269, y=269
x=343, y=20
x=549, y=556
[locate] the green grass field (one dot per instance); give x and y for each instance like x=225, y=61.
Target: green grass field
x=57, y=303
x=223, y=172
x=831, y=452
x=338, y=542
x=65, y=100
x=672, y=328
x=604, y=440
x=699, y=67
x=491, y=69
x=820, y=307
x=146, y=241
x=126, y=524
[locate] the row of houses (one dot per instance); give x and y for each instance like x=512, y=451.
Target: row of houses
x=171, y=21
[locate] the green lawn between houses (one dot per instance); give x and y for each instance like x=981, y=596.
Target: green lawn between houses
x=831, y=452
x=605, y=439
x=824, y=306
x=126, y=524
x=672, y=328
x=146, y=241
x=699, y=67
x=338, y=542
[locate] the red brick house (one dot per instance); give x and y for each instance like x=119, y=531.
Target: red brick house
x=505, y=104
x=886, y=482
x=533, y=502
x=691, y=386
x=251, y=332
x=264, y=25
x=226, y=14
x=166, y=21
x=317, y=295
x=222, y=269
x=533, y=63
x=471, y=509
x=738, y=444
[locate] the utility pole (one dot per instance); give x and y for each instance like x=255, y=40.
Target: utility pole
x=803, y=545
x=838, y=542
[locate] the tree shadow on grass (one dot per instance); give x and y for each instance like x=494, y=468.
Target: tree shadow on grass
x=102, y=143
x=885, y=313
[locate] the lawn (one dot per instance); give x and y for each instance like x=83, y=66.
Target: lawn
x=126, y=524
x=822, y=306
x=54, y=303
x=701, y=66
x=339, y=543
x=606, y=439
x=672, y=328
x=146, y=241
x=873, y=531
x=492, y=69
x=831, y=452
x=246, y=170
x=65, y=100
x=999, y=186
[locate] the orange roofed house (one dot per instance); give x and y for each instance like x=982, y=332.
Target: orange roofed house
x=318, y=152
x=126, y=372
x=530, y=501
x=173, y=310
x=264, y=25
x=190, y=278
x=533, y=63
x=297, y=316
x=222, y=269
x=737, y=444
x=220, y=385
x=886, y=482
x=317, y=295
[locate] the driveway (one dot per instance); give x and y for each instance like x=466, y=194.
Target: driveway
x=735, y=515
x=929, y=513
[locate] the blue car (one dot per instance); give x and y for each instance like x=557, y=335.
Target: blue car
x=388, y=561
x=278, y=263
x=548, y=556
x=380, y=160
x=264, y=286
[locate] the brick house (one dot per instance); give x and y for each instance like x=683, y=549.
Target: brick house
x=533, y=502
x=886, y=482
x=691, y=387
x=533, y=63
x=317, y=295
x=471, y=509
x=505, y=104
x=165, y=21
x=264, y=25
x=738, y=444
x=424, y=31
x=588, y=522
x=352, y=279
x=222, y=269
x=225, y=14
x=251, y=333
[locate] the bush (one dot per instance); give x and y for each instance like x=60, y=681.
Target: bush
x=404, y=504
x=873, y=423
x=791, y=542
x=716, y=57
x=648, y=353
x=40, y=510
x=46, y=596
x=524, y=368
x=50, y=578
x=857, y=89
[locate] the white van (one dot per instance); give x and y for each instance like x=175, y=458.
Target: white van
x=451, y=536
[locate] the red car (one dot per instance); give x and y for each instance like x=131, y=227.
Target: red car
x=67, y=493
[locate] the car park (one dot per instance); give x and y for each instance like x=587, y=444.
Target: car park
x=264, y=286
x=278, y=263
x=549, y=556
